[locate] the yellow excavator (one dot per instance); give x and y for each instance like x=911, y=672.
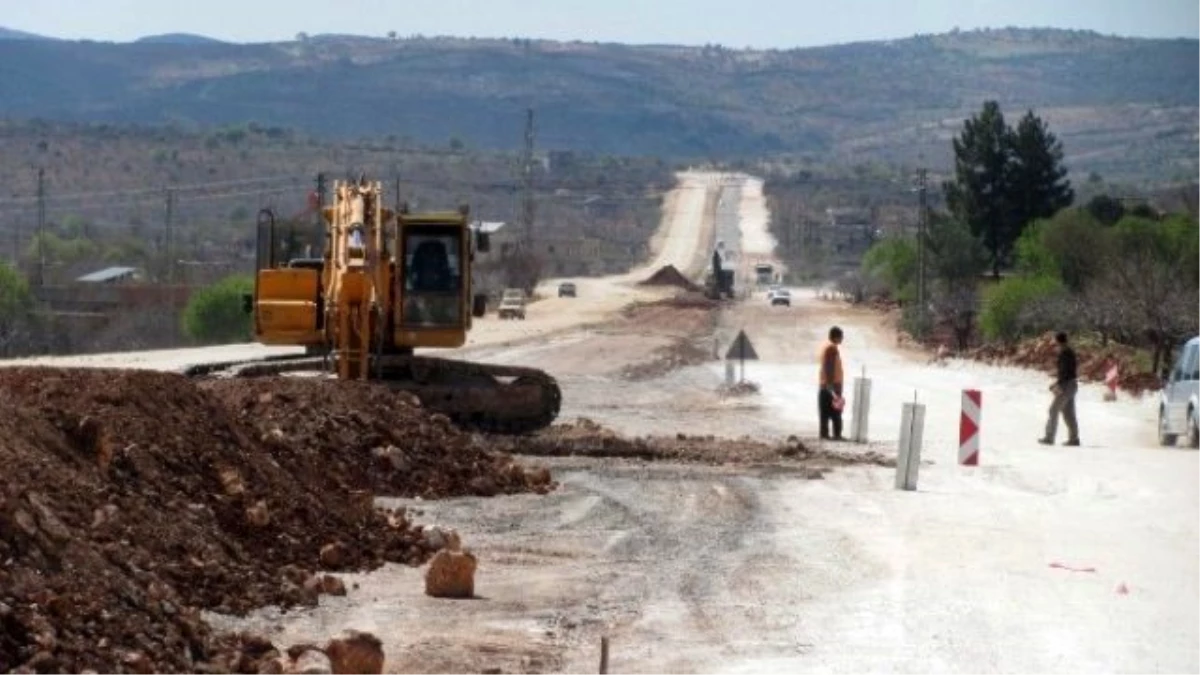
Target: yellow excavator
x=389, y=282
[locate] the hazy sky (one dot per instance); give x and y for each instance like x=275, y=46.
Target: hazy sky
x=733, y=23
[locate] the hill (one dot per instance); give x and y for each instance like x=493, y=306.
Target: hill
x=10, y=34
x=178, y=39
x=1125, y=108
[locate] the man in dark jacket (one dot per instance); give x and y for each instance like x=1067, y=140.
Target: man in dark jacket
x=1065, y=386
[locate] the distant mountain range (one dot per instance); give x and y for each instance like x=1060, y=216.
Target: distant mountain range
x=1125, y=108
x=10, y=34
x=165, y=38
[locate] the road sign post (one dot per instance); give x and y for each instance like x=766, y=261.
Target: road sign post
x=742, y=350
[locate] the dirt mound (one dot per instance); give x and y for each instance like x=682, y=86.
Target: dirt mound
x=669, y=276
x=364, y=437
x=585, y=437
x=1041, y=353
x=131, y=500
x=681, y=353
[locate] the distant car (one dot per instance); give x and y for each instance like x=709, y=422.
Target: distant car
x=512, y=304
x=1179, y=401
x=780, y=297
x=566, y=289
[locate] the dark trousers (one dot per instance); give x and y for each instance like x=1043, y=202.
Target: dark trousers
x=828, y=414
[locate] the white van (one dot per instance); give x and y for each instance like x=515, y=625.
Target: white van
x=1179, y=402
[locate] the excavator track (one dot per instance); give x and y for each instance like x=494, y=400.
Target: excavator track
x=475, y=396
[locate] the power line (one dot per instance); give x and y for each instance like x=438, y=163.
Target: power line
x=152, y=191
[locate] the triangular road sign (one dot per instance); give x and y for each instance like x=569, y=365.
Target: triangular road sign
x=741, y=348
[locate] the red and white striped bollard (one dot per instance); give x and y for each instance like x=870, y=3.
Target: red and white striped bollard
x=968, y=427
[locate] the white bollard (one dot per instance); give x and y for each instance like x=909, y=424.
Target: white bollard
x=908, y=461
x=730, y=376
x=862, y=410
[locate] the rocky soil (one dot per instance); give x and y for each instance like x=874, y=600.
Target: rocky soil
x=131, y=500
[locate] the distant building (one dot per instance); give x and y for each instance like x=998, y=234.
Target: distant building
x=111, y=275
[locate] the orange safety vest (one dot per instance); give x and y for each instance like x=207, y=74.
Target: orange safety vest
x=838, y=378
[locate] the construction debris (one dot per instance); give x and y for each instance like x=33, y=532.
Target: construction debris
x=132, y=500
x=585, y=437
x=670, y=276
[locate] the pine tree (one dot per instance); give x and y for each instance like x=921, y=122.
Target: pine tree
x=1006, y=179
x=1039, y=185
x=979, y=193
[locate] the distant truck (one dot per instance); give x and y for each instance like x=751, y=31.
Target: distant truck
x=764, y=273
x=512, y=304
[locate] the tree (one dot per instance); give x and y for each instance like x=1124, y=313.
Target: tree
x=1071, y=246
x=1038, y=184
x=892, y=263
x=215, y=314
x=979, y=193
x=1105, y=209
x=16, y=305
x=956, y=258
x=1153, y=273
x=1005, y=179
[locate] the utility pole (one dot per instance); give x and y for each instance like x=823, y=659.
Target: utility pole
x=921, y=227
x=318, y=218
x=41, y=216
x=527, y=183
x=168, y=217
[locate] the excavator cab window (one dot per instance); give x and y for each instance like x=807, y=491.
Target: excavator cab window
x=432, y=277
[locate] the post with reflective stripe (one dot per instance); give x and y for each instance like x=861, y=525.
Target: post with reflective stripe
x=908, y=459
x=862, y=410
x=968, y=427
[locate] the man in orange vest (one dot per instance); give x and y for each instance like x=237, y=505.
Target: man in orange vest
x=829, y=400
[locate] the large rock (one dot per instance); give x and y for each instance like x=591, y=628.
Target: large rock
x=355, y=652
x=333, y=556
x=437, y=538
x=311, y=662
x=451, y=574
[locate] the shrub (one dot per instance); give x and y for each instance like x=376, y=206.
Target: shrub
x=1009, y=307
x=215, y=315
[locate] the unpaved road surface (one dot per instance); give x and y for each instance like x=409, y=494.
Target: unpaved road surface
x=1040, y=559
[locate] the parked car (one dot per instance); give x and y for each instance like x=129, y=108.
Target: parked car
x=781, y=296
x=566, y=289
x=1179, y=400
x=512, y=304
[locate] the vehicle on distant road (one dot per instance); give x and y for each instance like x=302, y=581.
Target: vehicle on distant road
x=512, y=304
x=780, y=296
x=566, y=289
x=1179, y=401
